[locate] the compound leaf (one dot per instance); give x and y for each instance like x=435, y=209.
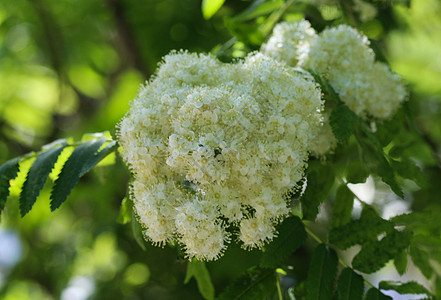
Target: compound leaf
x=8, y=171
x=37, y=176
x=374, y=255
x=82, y=159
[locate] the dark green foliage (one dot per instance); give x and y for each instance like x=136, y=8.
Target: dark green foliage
x=374, y=255
x=420, y=258
x=350, y=285
x=198, y=270
x=37, y=176
x=410, y=287
x=82, y=159
x=374, y=156
x=291, y=236
x=343, y=122
x=342, y=208
x=374, y=294
x=356, y=172
x=320, y=178
x=256, y=283
x=322, y=273
x=400, y=262
x=364, y=230
x=8, y=171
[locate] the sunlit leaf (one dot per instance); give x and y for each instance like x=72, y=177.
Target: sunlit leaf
x=210, y=7
x=8, y=171
x=82, y=159
x=37, y=176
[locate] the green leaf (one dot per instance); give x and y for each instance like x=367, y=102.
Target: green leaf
x=420, y=258
x=37, y=176
x=374, y=294
x=210, y=7
x=360, y=231
x=400, y=262
x=342, y=208
x=291, y=236
x=410, y=287
x=198, y=270
x=256, y=283
x=343, y=122
x=374, y=155
x=125, y=212
x=321, y=273
x=374, y=255
x=259, y=8
x=320, y=178
x=356, y=172
x=82, y=159
x=350, y=285
x=8, y=171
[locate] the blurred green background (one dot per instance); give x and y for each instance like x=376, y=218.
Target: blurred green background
x=68, y=67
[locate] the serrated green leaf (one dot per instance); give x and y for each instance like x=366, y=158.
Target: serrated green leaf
x=410, y=287
x=420, y=258
x=374, y=255
x=125, y=212
x=320, y=178
x=374, y=155
x=256, y=283
x=400, y=262
x=198, y=270
x=37, y=176
x=374, y=294
x=291, y=236
x=350, y=285
x=82, y=159
x=342, y=208
x=343, y=122
x=8, y=171
x=322, y=273
x=358, y=232
x=210, y=7
x=387, y=174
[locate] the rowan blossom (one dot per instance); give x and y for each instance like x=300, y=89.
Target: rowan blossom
x=213, y=146
x=342, y=56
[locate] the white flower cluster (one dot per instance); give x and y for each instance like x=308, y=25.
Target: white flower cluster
x=343, y=57
x=214, y=146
